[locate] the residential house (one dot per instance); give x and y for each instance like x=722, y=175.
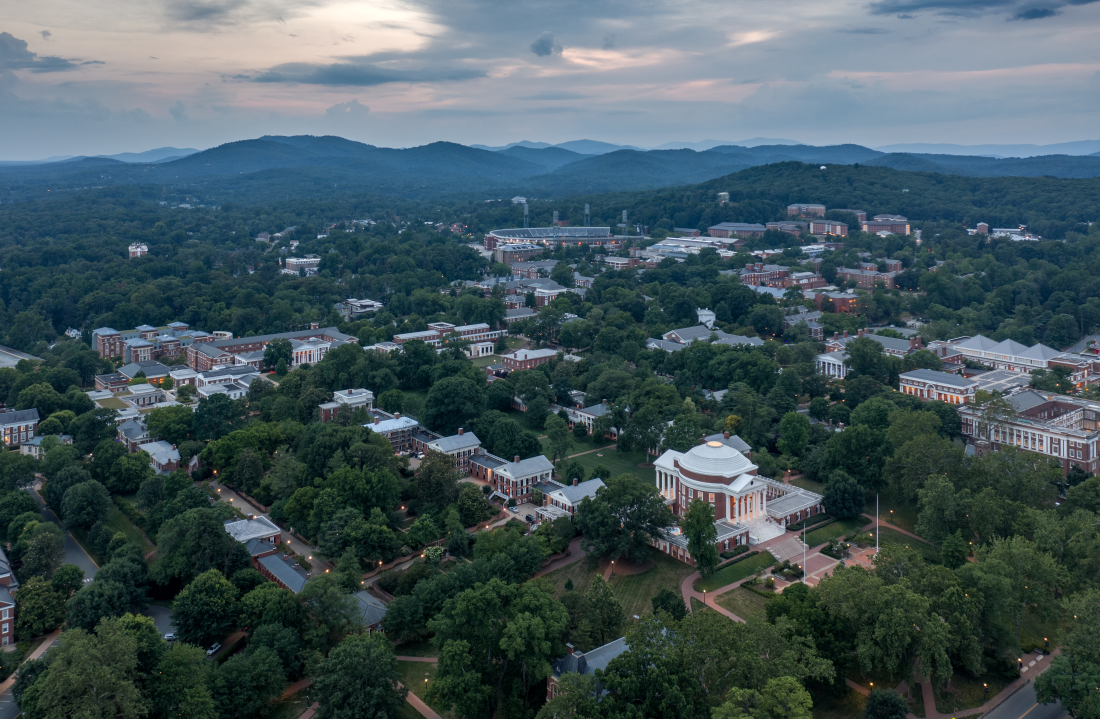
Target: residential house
x=9, y=584
x=18, y=425
x=351, y=398
x=516, y=479
x=33, y=446
x=576, y=661
x=568, y=498
x=163, y=456
x=461, y=446
x=371, y=610
x=526, y=359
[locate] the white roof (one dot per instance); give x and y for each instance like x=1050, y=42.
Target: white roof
x=391, y=425
x=715, y=459
x=520, y=355
x=258, y=528
x=526, y=467
x=978, y=342
x=1009, y=347
x=1040, y=352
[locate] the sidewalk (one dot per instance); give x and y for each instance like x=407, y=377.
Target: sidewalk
x=575, y=555
x=46, y=644
x=418, y=704
x=887, y=525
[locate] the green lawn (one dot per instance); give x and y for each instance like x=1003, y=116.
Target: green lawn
x=619, y=463
x=742, y=602
x=809, y=484
x=291, y=707
x=889, y=536
x=636, y=591
x=486, y=360
x=116, y=522
x=735, y=572
x=892, y=511
x=846, y=706
x=514, y=342
x=416, y=649
x=966, y=692
x=844, y=526
x=413, y=674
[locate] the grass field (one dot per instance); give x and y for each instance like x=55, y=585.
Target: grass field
x=893, y=512
x=412, y=675
x=619, y=463
x=116, y=522
x=889, y=536
x=809, y=484
x=844, y=526
x=735, y=572
x=743, y=602
x=416, y=649
x=291, y=707
x=966, y=692
x=846, y=706
x=486, y=360
x=634, y=592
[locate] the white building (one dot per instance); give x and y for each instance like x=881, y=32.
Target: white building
x=931, y=385
x=832, y=364
x=568, y=499
x=1007, y=354
x=516, y=480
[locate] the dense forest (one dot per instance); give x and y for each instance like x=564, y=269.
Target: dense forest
x=1006, y=548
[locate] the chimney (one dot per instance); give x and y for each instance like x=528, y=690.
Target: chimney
x=575, y=481
x=636, y=619
x=726, y=435
x=845, y=334
x=836, y=336
x=568, y=648
x=314, y=325
x=376, y=420
x=460, y=431
x=860, y=333
x=397, y=415
x=349, y=391
x=515, y=460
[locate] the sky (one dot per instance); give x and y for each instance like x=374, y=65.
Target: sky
x=110, y=76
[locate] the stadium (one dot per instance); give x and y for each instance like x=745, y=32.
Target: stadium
x=553, y=236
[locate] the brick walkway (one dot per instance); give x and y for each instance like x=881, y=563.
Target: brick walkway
x=575, y=555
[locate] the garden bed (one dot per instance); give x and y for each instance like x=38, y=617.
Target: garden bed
x=735, y=571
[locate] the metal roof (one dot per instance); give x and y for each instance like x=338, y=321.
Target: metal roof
x=245, y=529
x=286, y=571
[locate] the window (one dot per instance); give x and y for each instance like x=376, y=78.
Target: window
x=4, y=629
x=712, y=497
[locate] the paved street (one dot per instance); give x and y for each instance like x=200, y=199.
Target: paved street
x=162, y=617
x=74, y=553
x=1023, y=703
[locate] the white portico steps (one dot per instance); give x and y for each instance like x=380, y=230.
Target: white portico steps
x=787, y=549
x=764, y=529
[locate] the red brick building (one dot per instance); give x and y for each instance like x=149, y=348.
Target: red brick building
x=805, y=210
x=828, y=227
x=527, y=359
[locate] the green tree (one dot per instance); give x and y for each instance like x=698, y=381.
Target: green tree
x=276, y=350
x=436, y=484
x=698, y=526
x=85, y=504
x=172, y=424
x=180, y=685
x=669, y=602
x=91, y=675
x=95, y=602
x=458, y=684
x=453, y=402
x=1033, y=576
x=885, y=704
x=215, y=417
x=42, y=549
x=624, y=516
x=359, y=679
x=843, y=496
x=794, y=433
x=67, y=580
x=39, y=609
x=206, y=609
x=781, y=698
x=607, y=613
x=1072, y=678
x=557, y=431
x=129, y=472
x=939, y=509
x=248, y=684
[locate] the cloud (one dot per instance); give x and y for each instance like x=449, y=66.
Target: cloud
x=45, y=34
x=552, y=95
x=544, y=45
x=1018, y=10
x=178, y=111
x=14, y=55
x=865, y=31
x=1035, y=13
x=360, y=75
x=608, y=41
x=207, y=15
x=352, y=109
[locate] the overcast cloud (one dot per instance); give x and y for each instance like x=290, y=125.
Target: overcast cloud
x=81, y=78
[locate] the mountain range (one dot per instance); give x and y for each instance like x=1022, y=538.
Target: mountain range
x=161, y=154
x=272, y=167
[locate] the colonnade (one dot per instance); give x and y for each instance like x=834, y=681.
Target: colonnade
x=739, y=509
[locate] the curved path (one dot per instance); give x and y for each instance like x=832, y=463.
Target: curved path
x=575, y=555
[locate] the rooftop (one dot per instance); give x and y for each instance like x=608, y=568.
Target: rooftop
x=286, y=571
x=575, y=493
x=929, y=375
x=457, y=442
x=257, y=528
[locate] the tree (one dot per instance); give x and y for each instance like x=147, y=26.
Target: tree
x=95, y=602
x=276, y=350
x=1033, y=575
x=557, y=431
x=214, y=417
x=128, y=473
x=359, y=679
x=458, y=684
x=607, y=613
x=39, y=609
x=643, y=431
x=843, y=496
x=624, y=516
x=85, y=504
x=685, y=431
x=794, y=433
x=248, y=684
x=91, y=675
x=67, y=580
x=248, y=471
x=885, y=704
x=333, y=613
x=472, y=505
x=180, y=684
x=698, y=526
x=453, y=402
x=194, y=541
x=172, y=424
x=206, y=609
x=781, y=698
x=1072, y=678
x=669, y=602
x=436, y=484
x=42, y=551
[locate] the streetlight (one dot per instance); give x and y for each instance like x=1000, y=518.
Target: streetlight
x=986, y=690
x=704, y=597
x=612, y=568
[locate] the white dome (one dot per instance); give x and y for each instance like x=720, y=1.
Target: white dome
x=715, y=459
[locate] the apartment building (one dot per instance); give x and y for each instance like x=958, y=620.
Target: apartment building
x=861, y=215
x=931, y=385
x=805, y=210
x=301, y=265
x=1059, y=427
x=532, y=270
x=526, y=359
x=222, y=352
x=144, y=342
x=462, y=446
x=866, y=278
x=890, y=345
x=736, y=229
x=887, y=224
x=18, y=425
x=438, y=332
x=793, y=228
x=398, y=429
x=8, y=586
x=828, y=227
x=353, y=399
x=759, y=273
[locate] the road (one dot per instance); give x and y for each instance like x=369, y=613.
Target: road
x=74, y=553
x=1023, y=703
x=228, y=495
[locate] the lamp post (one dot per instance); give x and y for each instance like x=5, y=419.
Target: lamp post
x=986, y=690
x=612, y=568
x=704, y=597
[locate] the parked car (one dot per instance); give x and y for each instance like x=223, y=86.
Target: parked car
x=214, y=648
x=530, y=518
x=513, y=510
x=170, y=637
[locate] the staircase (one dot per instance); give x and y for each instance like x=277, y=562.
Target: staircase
x=762, y=530
x=788, y=549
